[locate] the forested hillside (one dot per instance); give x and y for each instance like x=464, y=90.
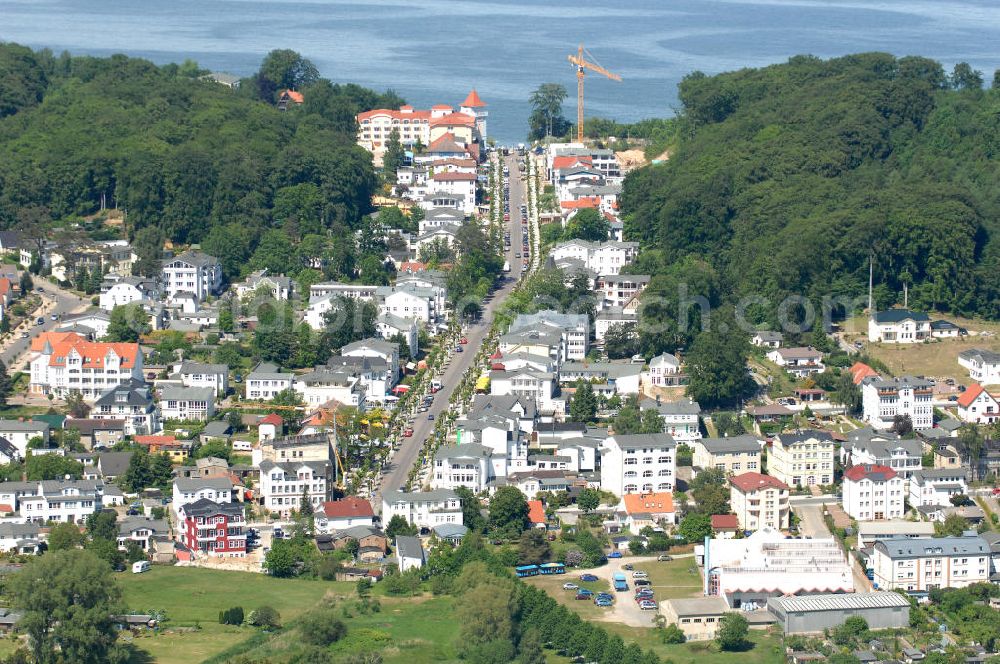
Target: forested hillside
x=189, y=160
x=787, y=178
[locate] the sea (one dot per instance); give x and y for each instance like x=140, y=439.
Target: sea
x=435, y=51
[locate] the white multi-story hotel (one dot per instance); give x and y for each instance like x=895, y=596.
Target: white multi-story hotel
x=61, y=501
x=802, y=458
x=573, y=328
x=601, y=257
x=65, y=362
x=883, y=399
x=873, y=493
x=282, y=485
x=424, y=509
x=192, y=489
x=267, y=380
x=732, y=455
x=936, y=486
x=192, y=272
x=759, y=501
x=899, y=326
x=638, y=463
x=118, y=291
x=470, y=465
x=926, y=563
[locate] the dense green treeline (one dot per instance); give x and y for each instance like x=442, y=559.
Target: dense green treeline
x=785, y=179
x=190, y=158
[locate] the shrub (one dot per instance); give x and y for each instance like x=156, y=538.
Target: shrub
x=231, y=616
x=321, y=627
x=265, y=616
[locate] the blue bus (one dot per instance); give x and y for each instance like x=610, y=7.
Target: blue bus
x=526, y=570
x=552, y=568
x=621, y=583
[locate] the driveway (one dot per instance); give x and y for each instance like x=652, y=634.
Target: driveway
x=626, y=610
x=811, y=524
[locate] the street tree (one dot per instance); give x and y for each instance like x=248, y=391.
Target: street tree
x=588, y=500
x=5, y=384
x=67, y=600
x=733, y=632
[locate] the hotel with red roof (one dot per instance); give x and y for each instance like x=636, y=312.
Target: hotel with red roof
x=64, y=362
x=466, y=126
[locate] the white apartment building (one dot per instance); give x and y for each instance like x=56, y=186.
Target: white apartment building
x=617, y=289
x=323, y=384
x=336, y=289
x=386, y=351
x=277, y=286
x=978, y=406
x=410, y=301
x=574, y=330
x=118, y=291
x=132, y=404
x=61, y=501
x=732, y=455
x=441, y=217
x=873, y=493
x=389, y=325
x=187, y=403
x=759, y=501
x=936, y=486
x=609, y=317
x=66, y=362
x=767, y=564
x=665, y=371
x=800, y=362
x=983, y=365
x=372, y=373
x=192, y=272
x=311, y=447
x=267, y=380
x=424, y=509
x=197, y=374
x=680, y=418
x=866, y=446
x=191, y=489
x=535, y=385
x=604, y=258
x=883, y=399
x=282, y=485
x=18, y=433
x=470, y=465
x=927, y=563
x=899, y=326
x=802, y=458
x=638, y=463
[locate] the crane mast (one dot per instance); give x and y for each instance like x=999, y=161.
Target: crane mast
x=582, y=64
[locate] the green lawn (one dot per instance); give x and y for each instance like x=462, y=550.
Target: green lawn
x=192, y=598
x=675, y=578
x=766, y=649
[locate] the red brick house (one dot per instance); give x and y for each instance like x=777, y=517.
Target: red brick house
x=218, y=529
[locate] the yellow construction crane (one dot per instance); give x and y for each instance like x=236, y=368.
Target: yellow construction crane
x=582, y=65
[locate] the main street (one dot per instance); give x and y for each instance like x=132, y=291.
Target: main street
x=398, y=468
x=55, y=301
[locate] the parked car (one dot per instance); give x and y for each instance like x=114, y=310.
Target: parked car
x=584, y=591
x=582, y=596
x=664, y=558
x=463, y=340
x=627, y=567
x=408, y=433
x=430, y=416
x=615, y=554
x=600, y=601
x=458, y=349
x=40, y=321
x=647, y=605
x=25, y=335
x=642, y=582
x=588, y=578
x=639, y=574
x=570, y=586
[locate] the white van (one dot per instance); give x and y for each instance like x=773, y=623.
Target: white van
x=140, y=567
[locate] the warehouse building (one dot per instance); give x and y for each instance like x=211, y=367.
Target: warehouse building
x=697, y=617
x=815, y=613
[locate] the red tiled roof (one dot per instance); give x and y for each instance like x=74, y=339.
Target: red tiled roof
x=559, y=163
x=446, y=142
x=536, y=511
x=460, y=163
x=404, y=113
x=454, y=119
x=5, y=286
x=350, y=506
x=860, y=371
x=412, y=266
x=970, y=394
x=273, y=418
x=652, y=503
x=453, y=176
x=472, y=100
x=725, y=522
x=580, y=203
x=859, y=472
x=753, y=481
x=93, y=354
x=293, y=95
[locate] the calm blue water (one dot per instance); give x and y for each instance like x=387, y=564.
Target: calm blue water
x=433, y=51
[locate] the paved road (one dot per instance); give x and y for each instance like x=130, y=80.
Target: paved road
x=402, y=461
x=56, y=300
